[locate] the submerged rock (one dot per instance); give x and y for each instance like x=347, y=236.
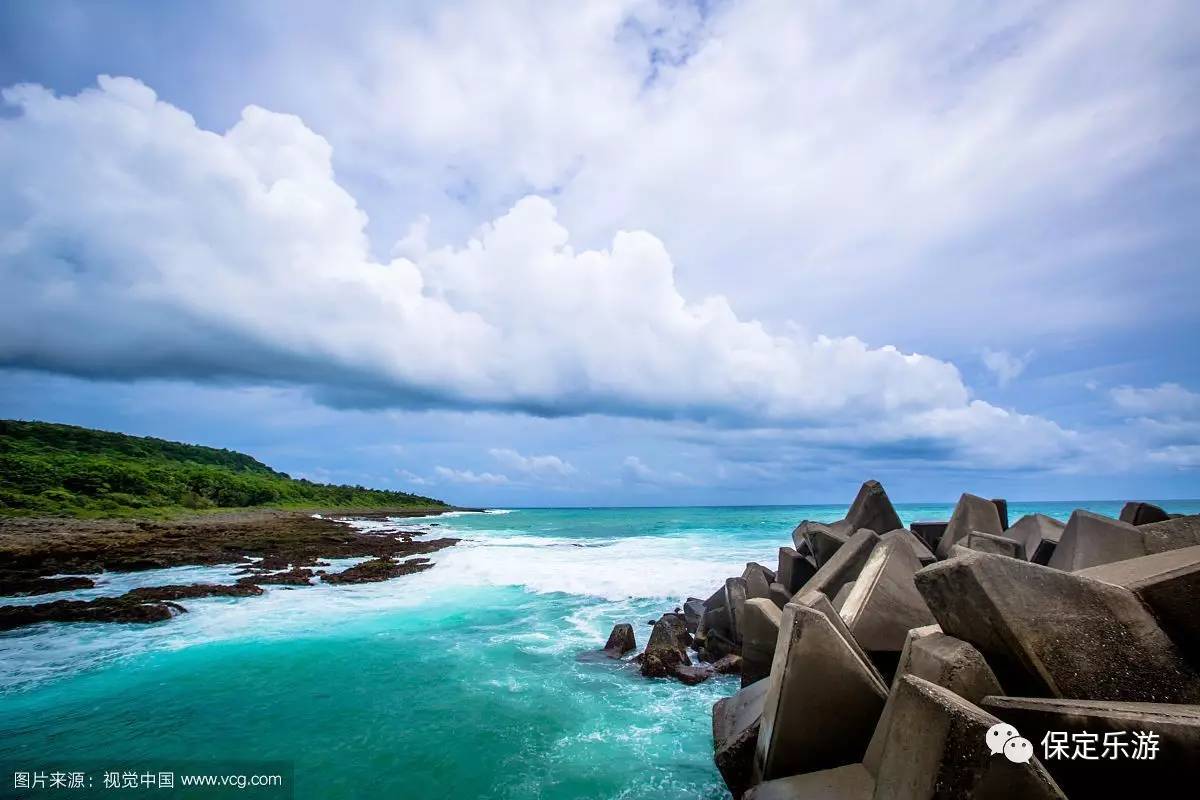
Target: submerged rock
x=667, y=647
x=692, y=675
x=23, y=586
x=620, y=641
x=293, y=577
x=187, y=592
x=103, y=609
x=378, y=569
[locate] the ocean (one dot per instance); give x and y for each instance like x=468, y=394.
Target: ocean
x=458, y=682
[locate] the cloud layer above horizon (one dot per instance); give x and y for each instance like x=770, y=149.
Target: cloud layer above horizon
x=778, y=231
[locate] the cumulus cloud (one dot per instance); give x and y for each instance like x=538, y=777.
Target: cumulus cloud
x=470, y=476
x=137, y=244
x=1166, y=399
x=543, y=465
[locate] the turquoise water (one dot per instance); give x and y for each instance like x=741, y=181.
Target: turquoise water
x=459, y=682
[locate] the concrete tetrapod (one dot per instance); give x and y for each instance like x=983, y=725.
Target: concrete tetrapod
x=972, y=513
x=884, y=602
x=1038, y=534
x=873, y=510
x=1092, y=539
x=1048, y=633
x=844, y=566
x=736, y=722
x=758, y=639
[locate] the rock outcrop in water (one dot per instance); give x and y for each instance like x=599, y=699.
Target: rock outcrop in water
x=891, y=690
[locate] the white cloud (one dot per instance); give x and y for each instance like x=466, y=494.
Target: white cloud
x=1166, y=399
x=1004, y=365
x=634, y=470
x=534, y=465
x=470, y=476
x=136, y=244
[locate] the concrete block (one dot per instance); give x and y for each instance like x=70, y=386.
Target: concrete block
x=940, y=659
x=1176, y=761
x=1172, y=534
x=1142, y=513
x=735, y=601
x=717, y=600
x=938, y=749
x=970, y=514
x=930, y=532
x=822, y=702
x=1039, y=535
x=825, y=540
x=1048, y=633
x=693, y=612
x=1091, y=539
x=819, y=602
x=715, y=620
x=1167, y=582
x=851, y=782
x=839, y=599
x=923, y=553
x=872, y=510
x=1001, y=511
x=736, y=723
x=794, y=569
x=990, y=543
x=758, y=639
x=845, y=564
x=884, y=602
x=780, y=596
x=758, y=580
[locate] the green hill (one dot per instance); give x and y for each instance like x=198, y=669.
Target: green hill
x=63, y=469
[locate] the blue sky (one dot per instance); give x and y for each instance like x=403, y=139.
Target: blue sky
x=631, y=252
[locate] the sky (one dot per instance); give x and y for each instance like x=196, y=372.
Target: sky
x=638, y=252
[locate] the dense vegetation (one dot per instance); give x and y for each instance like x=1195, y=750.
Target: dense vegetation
x=63, y=469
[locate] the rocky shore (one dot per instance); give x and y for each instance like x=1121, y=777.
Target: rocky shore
x=963, y=658
x=46, y=555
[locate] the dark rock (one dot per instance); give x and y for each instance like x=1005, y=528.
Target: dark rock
x=736, y=722
x=1110, y=773
x=872, y=510
x=378, y=569
x=103, y=609
x=192, y=591
x=293, y=577
x=970, y=514
x=1048, y=633
x=728, y=665
x=20, y=585
x=667, y=647
x=1001, y=511
x=692, y=675
x=620, y=641
x=1142, y=513
x=717, y=646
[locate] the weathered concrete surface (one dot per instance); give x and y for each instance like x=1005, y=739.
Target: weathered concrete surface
x=884, y=602
x=823, y=541
x=1001, y=511
x=667, y=647
x=794, y=569
x=693, y=612
x=923, y=553
x=1169, y=583
x=843, y=593
x=620, y=641
x=758, y=639
x=1174, y=769
x=845, y=564
x=1092, y=539
x=938, y=749
x=1038, y=534
x=972, y=513
x=780, y=596
x=822, y=703
x=851, y=782
x=819, y=602
x=872, y=510
x=930, y=532
x=1048, y=633
x=736, y=723
x=758, y=580
x=1142, y=513
x=735, y=601
x=990, y=543
x=940, y=659
x=1173, y=534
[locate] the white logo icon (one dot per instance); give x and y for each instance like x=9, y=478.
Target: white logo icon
x=998, y=734
x=1018, y=750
